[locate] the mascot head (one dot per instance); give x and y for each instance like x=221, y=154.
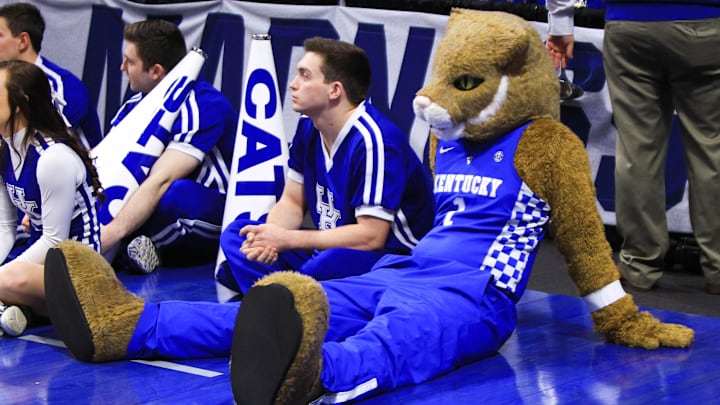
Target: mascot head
x=491, y=73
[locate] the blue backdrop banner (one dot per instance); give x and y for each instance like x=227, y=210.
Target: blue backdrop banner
x=85, y=36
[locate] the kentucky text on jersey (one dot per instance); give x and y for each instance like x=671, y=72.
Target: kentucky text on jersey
x=467, y=183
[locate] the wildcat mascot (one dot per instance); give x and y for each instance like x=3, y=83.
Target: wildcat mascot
x=505, y=172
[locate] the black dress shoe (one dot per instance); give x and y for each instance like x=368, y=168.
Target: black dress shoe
x=630, y=286
x=712, y=288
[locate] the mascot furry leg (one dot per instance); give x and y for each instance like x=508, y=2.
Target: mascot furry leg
x=95, y=327
x=276, y=355
x=277, y=344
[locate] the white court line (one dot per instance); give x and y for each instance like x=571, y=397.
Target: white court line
x=43, y=340
x=155, y=363
x=179, y=367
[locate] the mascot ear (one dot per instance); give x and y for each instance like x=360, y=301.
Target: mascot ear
x=514, y=54
x=507, y=47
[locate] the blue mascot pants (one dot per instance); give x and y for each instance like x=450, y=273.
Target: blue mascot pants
x=409, y=319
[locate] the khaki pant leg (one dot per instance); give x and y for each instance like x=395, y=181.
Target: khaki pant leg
x=642, y=109
x=695, y=82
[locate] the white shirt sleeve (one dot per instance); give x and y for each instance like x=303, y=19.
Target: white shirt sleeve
x=187, y=149
x=377, y=211
x=57, y=193
x=295, y=176
x=8, y=223
x=561, y=15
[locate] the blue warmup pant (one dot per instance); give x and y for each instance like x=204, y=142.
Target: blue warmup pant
x=408, y=320
x=183, y=330
x=187, y=221
x=240, y=274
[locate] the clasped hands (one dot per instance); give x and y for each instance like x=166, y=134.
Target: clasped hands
x=263, y=242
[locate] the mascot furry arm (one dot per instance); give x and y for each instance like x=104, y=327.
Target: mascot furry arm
x=491, y=74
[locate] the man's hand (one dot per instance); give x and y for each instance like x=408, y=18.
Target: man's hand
x=264, y=242
x=560, y=48
x=265, y=255
x=267, y=235
x=26, y=223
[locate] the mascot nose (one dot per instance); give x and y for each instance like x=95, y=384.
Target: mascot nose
x=420, y=106
x=422, y=101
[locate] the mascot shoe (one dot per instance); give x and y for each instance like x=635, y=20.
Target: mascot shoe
x=91, y=310
x=276, y=352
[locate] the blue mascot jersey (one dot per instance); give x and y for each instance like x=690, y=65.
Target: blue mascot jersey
x=478, y=192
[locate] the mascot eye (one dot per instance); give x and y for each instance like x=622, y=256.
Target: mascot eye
x=467, y=82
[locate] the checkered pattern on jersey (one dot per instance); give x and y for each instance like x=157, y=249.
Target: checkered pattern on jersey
x=509, y=254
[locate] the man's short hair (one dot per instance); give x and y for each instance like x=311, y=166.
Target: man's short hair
x=25, y=17
x=343, y=62
x=157, y=42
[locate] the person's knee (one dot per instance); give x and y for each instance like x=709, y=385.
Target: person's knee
x=14, y=277
x=179, y=191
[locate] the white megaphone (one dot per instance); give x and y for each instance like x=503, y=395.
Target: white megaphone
x=260, y=157
x=124, y=157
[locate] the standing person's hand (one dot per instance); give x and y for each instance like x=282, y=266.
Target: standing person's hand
x=560, y=48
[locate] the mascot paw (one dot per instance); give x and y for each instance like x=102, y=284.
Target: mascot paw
x=276, y=354
x=647, y=332
x=89, y=308
x=621, y=323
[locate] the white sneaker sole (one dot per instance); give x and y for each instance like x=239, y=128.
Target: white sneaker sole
x=13, y=321
x=141, y=251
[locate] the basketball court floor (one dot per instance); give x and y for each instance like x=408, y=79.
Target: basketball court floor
x=554, y=357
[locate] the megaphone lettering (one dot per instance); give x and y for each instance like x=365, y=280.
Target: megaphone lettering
x=260, y=158
x=124, y=157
